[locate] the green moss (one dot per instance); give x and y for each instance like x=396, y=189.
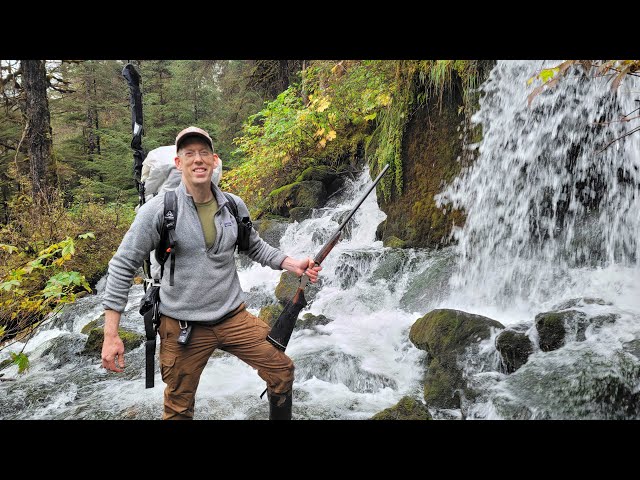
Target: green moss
x=93, y=347
x=310, y=194
x=98, y=322
x=270, y=313
x=394, y=242
x=443, y=331
x=321, y=173
x=441, y=386
x=406, y=409
x=551, y=330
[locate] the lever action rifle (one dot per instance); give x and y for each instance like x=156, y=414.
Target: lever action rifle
x=283, y=328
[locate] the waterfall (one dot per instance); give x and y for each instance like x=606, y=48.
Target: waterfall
x=550, y=211
x=552, y=224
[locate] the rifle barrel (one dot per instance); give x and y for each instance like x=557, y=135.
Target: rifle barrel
x=362, y=199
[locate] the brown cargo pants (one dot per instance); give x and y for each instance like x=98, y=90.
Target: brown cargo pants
x=242, y=334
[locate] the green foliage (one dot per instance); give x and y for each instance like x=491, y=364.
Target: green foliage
x=335, y=103
x=21, y=360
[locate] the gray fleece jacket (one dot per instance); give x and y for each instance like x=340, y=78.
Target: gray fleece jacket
x=206, y=285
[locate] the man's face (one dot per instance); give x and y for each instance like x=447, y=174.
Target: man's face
x=196, y=162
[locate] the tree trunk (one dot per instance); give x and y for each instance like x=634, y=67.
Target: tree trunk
x=92, y=137
x=39, y=135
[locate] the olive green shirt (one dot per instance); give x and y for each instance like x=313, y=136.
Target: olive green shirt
x=206, y=211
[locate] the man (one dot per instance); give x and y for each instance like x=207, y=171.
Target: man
x=206, y=291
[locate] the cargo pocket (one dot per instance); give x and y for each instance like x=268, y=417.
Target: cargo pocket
x=167, y=364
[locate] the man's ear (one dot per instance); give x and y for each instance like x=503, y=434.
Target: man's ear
x=178, y=162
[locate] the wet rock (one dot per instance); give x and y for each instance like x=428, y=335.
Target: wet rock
x=288, y=287
x=570, y=384
x=93, y=346
x=445, y=334
x=270, y=313
x=310, y=194
x=580, y=302
x=514, y=348
x=299, y=214
x=309, y=320
x=406, y=409
x=271, y=229
x=551, y=330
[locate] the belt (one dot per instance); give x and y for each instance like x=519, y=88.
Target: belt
x=233, y=312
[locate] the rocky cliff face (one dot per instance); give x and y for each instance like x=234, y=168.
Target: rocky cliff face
x=432, y=148
x=432, y=156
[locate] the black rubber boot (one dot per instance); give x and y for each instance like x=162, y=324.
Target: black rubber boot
x=280, y=405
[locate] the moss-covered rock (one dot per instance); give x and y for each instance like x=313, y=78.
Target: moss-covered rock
x=298, y=214
x=98, y=322
x=443, y=384
x=551, y=331
x=444, y=331
x=310, y=320
x=394, y=242
x=514, y=348
x=271, y=229
x=321, y=173
x=310, y=194
x=93, y=347
x=406, y=409
x=270, y=313
x=445, y=334
x=288, y=286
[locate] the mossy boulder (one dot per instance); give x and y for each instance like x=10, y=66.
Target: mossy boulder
x=443, y=384
x=298, y=214
x=445, y=334
x=551, y=331
x=98, y=322
x=321, y=173
x=444, y=331
x=310, y=320
x=93, y=347
x=515, y=348
x=310, y=194
x=288, y=286
x=394, y=242
x=270, y=313
x=407, y=408
x=271, y=229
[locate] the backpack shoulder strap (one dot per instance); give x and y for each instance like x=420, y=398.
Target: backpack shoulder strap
x=232, y=206
x=167, y=234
